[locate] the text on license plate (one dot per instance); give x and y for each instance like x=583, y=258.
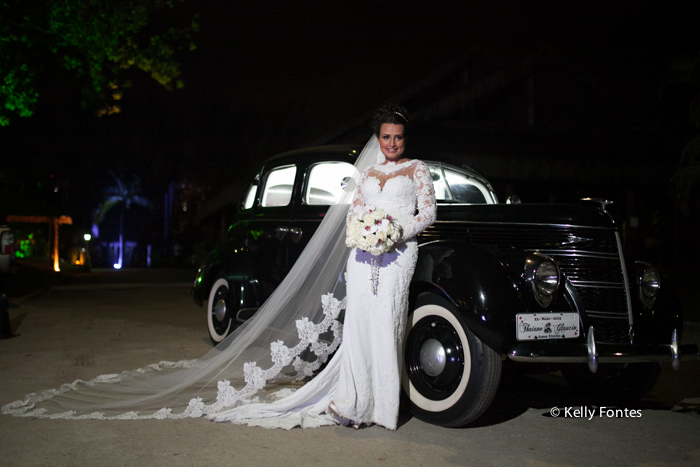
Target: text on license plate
x=536, y=326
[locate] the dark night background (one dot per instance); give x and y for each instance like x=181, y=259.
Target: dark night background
x=550, y=100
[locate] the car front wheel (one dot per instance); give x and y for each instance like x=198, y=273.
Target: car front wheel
x=221, y=310
x=451, y=376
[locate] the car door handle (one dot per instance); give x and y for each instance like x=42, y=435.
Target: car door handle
x=295, y=233
x=280, y=232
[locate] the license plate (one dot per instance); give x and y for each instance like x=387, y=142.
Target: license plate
x=536, y=326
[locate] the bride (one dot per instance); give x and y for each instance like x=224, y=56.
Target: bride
x=361, y=382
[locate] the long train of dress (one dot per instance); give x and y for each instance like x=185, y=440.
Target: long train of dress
x=362, y=379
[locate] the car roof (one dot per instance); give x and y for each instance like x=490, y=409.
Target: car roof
x=301, y=155
x=305, y=155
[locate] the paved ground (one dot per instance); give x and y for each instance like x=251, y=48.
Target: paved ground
x=83, y=330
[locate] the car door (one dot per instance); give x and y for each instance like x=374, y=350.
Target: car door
x=322, y=186
x=268, y=229
x=237, y=239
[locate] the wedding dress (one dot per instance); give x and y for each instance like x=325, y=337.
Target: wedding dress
x=276, y=347
x=363, y=377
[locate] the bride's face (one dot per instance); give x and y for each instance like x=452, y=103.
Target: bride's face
x=392, y=141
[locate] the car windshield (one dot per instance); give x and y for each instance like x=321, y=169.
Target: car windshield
x=250, y=196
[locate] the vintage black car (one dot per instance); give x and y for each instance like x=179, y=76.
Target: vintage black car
x=524, y=282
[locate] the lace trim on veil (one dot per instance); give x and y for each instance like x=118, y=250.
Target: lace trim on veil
x=227, y=396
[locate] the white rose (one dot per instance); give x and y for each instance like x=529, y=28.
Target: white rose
x=363, y=244
x=365, y=212
x=378, y=215
x=372, y=240
x=348, y=235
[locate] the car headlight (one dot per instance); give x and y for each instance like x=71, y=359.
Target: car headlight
x=649, y=282
x=544, y=276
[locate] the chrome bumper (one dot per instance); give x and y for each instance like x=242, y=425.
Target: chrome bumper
x=594, y=353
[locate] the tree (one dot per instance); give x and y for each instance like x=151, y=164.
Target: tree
x=97, y=40
x=123, y=194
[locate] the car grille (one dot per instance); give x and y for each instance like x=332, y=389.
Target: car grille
x=588, y=257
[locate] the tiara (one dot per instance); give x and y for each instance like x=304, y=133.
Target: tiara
x=401, y=115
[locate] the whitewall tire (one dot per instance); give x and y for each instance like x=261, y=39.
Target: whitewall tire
x=221, y=310
x=450, y=375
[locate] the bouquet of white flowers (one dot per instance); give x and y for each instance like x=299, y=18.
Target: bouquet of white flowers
x=372, y=230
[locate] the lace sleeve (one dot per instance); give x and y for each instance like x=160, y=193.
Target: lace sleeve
x=357, y=200
x=425, y=202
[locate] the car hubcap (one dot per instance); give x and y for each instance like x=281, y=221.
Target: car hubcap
x=220, y=310
x=220, y=316
x=432, y=357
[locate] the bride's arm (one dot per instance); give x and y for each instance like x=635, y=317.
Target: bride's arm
x=425, y=201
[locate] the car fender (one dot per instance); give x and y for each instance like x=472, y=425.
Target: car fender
x=477, y=282
x=235, y=269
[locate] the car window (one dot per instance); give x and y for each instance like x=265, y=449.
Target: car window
x=278, y=187
x=324, y=186
x=441, y=191
x=465, y=189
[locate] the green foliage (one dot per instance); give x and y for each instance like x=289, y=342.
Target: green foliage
x=17, y=94
x=97, y=40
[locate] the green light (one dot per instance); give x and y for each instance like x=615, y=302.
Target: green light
x=25, y=248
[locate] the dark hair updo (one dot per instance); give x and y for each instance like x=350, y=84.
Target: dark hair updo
x=390, y=113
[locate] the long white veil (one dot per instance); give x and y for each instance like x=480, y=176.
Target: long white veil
x=289, y=337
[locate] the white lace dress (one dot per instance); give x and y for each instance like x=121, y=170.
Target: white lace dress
x=363, y=377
